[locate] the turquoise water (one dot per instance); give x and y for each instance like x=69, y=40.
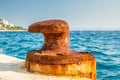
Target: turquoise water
x=105, y=45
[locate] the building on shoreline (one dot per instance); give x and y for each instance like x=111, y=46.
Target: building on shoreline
x=2, y=20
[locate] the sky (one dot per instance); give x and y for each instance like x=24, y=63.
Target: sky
x=80, y=14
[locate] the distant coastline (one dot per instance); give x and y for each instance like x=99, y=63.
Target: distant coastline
x=12, y=30
x=6, y=26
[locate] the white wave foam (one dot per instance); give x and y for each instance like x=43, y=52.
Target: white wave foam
x=1, y=51
x=111, y=52
x=82, y=48
x=116, y=60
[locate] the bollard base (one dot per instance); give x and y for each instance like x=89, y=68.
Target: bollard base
x=82, y=64
x=83, y=69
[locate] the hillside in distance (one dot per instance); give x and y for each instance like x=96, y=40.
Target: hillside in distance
x=5, y=25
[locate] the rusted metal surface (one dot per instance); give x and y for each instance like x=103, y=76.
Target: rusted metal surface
x=58, y=58
x=55, y=57
x=56, y=44
x=82, y=69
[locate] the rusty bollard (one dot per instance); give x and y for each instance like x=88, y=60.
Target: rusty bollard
x=55, y=57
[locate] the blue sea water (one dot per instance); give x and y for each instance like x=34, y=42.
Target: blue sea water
x=105, y=45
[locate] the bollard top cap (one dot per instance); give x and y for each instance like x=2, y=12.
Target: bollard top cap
x=49, y=26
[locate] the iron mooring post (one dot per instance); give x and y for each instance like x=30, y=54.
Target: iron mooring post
x=55, y=57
